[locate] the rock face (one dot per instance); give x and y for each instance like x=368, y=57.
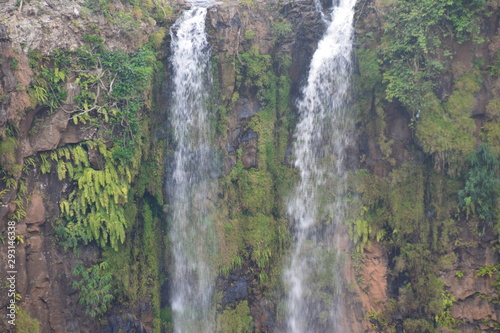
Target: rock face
x=373, y=275
x=59, y=24
x=392, y=140
x=44, y=269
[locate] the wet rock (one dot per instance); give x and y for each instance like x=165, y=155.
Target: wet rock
x=235, y=292
x=96, y=159
x=246, y=108
x=228, y=77
x=248, y=135
x=308, y=28
x=124, y=323
x=265, y=316
x=249, y=149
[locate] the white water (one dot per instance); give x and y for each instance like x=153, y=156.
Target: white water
x=191, y=234
x=313, y=278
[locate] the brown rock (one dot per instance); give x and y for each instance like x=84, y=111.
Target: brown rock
x=249, y=154
x=375, y=272
x=48, y=133
x=36, y=210
x=474, y=308
x=228, y=77
x=75, y=134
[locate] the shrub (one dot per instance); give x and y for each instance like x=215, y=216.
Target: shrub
x=480, y=195
x=95, y=288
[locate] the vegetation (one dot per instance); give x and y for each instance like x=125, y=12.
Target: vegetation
x=237, y=320
x=8, y=147
x=413, y=56
x=253, y=232
x=115, y=178
x=446, y=131
x=419, y=212
x=48, y=86
x=250, y=194
x=25, y=323
x=95, y=210
x=281, y=28
x=130, y=13
x=95, y=288
x=113, y=92
x=482, y=186
x=491, y=272
x=414, y=33
x=113, y=88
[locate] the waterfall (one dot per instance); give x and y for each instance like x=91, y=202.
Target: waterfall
x=188, y=185
x=313, y=276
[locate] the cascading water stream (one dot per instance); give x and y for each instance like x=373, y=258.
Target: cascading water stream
x=313, y=278
x=188, y=186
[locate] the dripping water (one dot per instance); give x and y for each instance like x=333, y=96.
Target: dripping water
x=313, y=276
x=188, y=184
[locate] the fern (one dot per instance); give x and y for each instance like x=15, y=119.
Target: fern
x=23, y=190
x=479, y=196
x=29, y=162
x=96, y=205
x=95, y=286
x=10, y=183
x=61, y=170
x=360, y=230
x=45, y=165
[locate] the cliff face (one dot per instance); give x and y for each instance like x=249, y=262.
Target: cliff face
x=424, y=262
x=427, y=95
x=40, y=100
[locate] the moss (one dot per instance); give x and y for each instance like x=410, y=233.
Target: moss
x=491, y=135
x=411, y=213
x=158, y=37
x=446, y=132
x=491, y=129
x=493, y=109
x=167, y=318
x=418, y=326
x=249, y=226
x=257, y=189
x=368, y=102
x=25, y=323
x=282, y=28
x=406, y=200
x=237, y=320
x=370, y=74
x=254, y=67
x=8, y=147
x=249, y=34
